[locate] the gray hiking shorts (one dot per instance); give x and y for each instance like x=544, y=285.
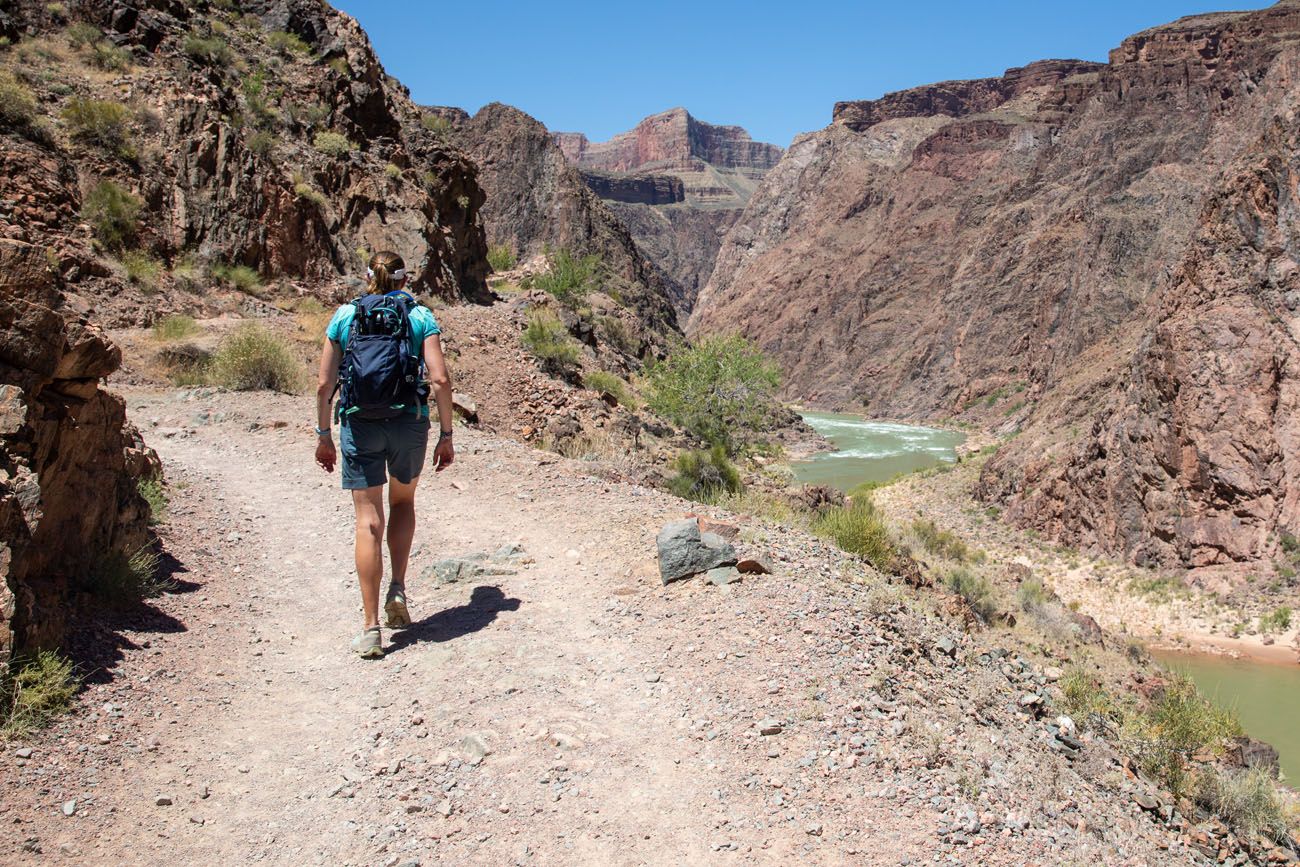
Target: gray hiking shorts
x=369, y=445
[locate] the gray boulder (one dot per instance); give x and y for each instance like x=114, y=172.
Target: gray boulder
x=685, y=551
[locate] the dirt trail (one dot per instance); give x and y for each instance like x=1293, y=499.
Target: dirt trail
x=573, y=712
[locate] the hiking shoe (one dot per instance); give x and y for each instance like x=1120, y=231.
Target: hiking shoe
x=369, y=644
x=395, y=607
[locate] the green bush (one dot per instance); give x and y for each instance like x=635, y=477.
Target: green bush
x=251, y=358
x=81, y=34
x=241, y=277
x=941, y=543
x=261, y=142
x=1032, y=594
x=614, y=331
x=38, y=689
x=546, y=338
x=704, y=476
x=501, y=257
x=438, y=125
x=720, y=390
x=142, y=269
x=288, y=43
x=257, y=101
x=154, y=495
x=974, y=588
x=113, y=213
x=17, y=104
x=1277, y=620
x=339, y=65
x=608, y=383
x=1245, y=799
x=1085, y=700
x=187, y=271
x=568, y=278
x=210, y=51
x=101, y=123
x=176, y=327
x=859, y=528
x=309, y=193
x=108, y=57
x=393, y=172
x=333, y=144
x=121, y=579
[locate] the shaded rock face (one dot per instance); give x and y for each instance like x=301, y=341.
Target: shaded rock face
x=536, y=201
x=636, y=189
x=718, y=168
x=1054, y=252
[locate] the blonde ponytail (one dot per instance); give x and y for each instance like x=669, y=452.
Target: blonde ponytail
x=386, y=271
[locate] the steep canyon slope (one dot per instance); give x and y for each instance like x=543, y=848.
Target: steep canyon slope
x=679, y=184
x=1098, y=256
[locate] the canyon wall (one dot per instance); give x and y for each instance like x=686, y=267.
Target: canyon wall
x=717, y=167
x=1048, y=253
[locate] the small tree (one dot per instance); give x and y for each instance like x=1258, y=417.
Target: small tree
x=720, y=390
x=113, y=213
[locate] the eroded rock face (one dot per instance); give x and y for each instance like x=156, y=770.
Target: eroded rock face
x=718, y=168
x=636, y=189
x=1044, y=252
x=71, y=462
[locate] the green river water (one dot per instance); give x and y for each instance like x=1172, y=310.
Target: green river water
x=1266, y=696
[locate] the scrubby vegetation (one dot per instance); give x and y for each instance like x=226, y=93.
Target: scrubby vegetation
x=721, y=390
x=142, y=269
x=241, y=277
x=568, y=278
x=438, y=125
x=121, y=579
x=177, y=327
x=941, y=543
x=704, y=475
x=859, y=528
x=288, y=44
x=333, y=144
x=974, y=589
x=101, y=123
x=608, y=383
x=156, y=498
x=210, y=51
x=252, y=358
x=1246, y=800
x=1277, y=620
x=546, y=338
x=113, y=213
x=1032, y=595
x=501, y=257
x=37, y=690
x=17, y=104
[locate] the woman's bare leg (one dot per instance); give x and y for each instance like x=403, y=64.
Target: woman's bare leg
x=369, y=504
x=401, y=526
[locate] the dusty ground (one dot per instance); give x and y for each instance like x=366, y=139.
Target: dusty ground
x=1163, y=609
x=574, y=712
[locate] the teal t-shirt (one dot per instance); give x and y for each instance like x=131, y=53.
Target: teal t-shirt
x=423, y=326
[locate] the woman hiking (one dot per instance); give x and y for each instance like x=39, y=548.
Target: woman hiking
x=377, y=352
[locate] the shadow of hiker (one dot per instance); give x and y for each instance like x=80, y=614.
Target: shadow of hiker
x=485, y=603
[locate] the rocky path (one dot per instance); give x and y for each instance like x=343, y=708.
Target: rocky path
x=571, y=711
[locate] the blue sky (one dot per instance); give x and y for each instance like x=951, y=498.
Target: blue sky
x=774, y=68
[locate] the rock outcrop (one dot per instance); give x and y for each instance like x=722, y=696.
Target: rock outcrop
x=1058, y=251
x=636, y=189
x=718, y=168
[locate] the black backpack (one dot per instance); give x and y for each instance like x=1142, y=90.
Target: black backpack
x=379, y=377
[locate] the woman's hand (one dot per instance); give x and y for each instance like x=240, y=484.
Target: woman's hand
x=444, y=455
x=326, y=456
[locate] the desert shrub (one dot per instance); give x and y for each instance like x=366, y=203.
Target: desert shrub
x=859, y=528
x=142, y=269
x=82, y=33
x=309, y=193
x=393, y=172
x=974, y=588
x=287, y=43
x=1159, y=587
x=1032, y=594
x=256, y=99
x=109, y=57
x=546, y=338
x=241, y=277
x=37, y=690
x=704, y=475
x=17, y=104
x=1245, y=799
x=187, y=271
x=307, y=115
x=1277, y=620
x=261, y=142
x=339, y=65
x=154, y=495
x=720, y=390
x=1087, y=702
x=210, y=51
x=251, y=358
x=501, y=257
x=176, y=327
x=101, y=123
x=614, y=331
x=333, y=144
x=113, y=213
x=567, y=278
x=436, y=124
x=121, y=579
x=941, y=543
x=607, y=383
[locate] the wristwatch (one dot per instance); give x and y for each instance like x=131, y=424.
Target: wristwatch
x=444, y=434
x=322, y=431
